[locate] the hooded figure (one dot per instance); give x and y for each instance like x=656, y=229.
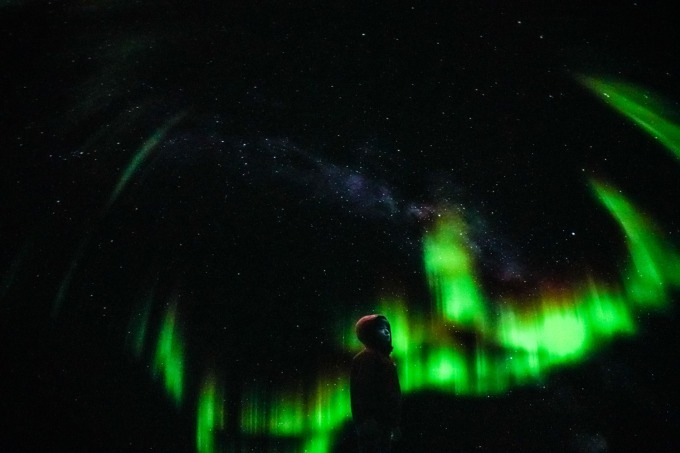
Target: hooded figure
x=374, y=387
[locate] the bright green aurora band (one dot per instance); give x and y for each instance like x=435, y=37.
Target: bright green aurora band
x=515, y=343
x=169, y=359
x=641, y=107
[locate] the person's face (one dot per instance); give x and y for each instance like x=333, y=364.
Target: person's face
x=383, y=332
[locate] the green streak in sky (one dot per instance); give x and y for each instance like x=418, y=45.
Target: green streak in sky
x=138, y=327
x=169, y=358
x=141, y=155
x=655, y=265
x=638, y=105
x=210, y=416
x=450, y=273
x=66, y=281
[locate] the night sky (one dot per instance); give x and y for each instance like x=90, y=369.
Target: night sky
x=199, y=199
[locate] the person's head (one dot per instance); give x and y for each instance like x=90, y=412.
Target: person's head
x=374, y=331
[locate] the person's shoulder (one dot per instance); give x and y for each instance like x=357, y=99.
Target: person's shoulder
x=366, y=355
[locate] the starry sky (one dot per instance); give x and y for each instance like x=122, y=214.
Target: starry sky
x=227, y=186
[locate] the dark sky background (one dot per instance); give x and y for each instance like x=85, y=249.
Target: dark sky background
x=311, y=146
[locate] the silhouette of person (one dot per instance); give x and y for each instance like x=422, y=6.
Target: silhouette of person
x=374, y=387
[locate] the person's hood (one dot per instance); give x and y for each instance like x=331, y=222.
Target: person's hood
x=366, y=329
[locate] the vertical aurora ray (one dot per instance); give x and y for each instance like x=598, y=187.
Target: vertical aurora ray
x=8, y=278
x=254, y=409
x=329, y=405
x=169, y=359
x=450, y=272
x=141, y=155
x=327, y=409
x=209, y=415
x=639, y=106
x=312, y=416
x=655, y=265
x=287, y=414
x=68, y=277
x=138, y=327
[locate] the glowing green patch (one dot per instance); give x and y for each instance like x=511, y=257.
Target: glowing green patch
x=169, y=359
x=209, y=416
x=655, y=264
x=642, y=108
x=450, y=271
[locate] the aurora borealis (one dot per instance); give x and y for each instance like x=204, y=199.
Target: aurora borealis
x=559, y=329
x=200, y=200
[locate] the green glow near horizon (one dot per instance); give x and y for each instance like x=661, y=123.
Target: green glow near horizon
x=169, y=359
x=520, y=342
x=209, y=415
x=509, y=343
x=506, y=343
x=638, y=105
x=312, y=417
x=141, y=155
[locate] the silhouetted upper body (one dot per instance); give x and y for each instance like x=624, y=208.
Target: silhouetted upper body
x=374, y=385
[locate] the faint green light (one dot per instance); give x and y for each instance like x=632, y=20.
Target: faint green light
x=141, y=155
x=11, y=273
x=635, y=103
x=287, y=414
x=169, y=359
x=209, y=416
x=522, y=367
x=138, y=327
x=254, y=412
x=66, y=281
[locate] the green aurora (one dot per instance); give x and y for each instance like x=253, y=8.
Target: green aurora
x=638, y=105
x=516, y=342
